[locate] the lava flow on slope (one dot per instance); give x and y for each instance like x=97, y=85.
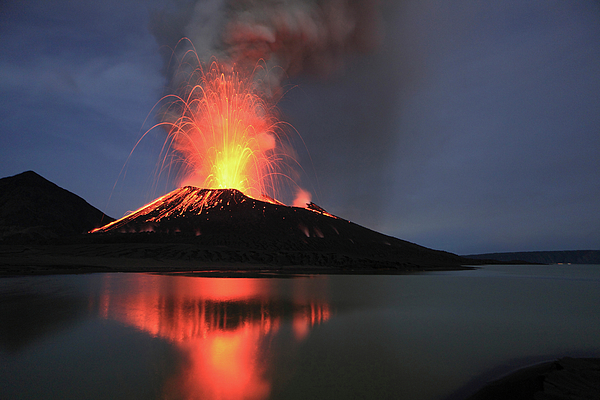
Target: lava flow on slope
x=192, y=211
x=224, y=225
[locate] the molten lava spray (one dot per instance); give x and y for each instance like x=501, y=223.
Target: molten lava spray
x=226, y=134
x=222, y=127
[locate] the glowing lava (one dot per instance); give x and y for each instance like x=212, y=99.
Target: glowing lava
x=226, y=133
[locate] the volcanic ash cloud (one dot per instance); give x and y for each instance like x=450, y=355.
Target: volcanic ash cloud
x=292, y=37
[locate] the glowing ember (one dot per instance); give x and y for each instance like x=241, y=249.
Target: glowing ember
x=226, y=133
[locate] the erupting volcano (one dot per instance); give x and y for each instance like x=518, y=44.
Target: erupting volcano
x=231, y=156
x=224, y=225
x=223, y=133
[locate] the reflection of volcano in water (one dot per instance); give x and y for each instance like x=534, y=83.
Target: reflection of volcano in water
x=218, y=324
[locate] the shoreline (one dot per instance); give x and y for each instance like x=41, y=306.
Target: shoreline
x=23, y=260
x=207, y=270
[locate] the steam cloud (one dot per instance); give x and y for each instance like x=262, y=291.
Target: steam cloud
x=291, y=36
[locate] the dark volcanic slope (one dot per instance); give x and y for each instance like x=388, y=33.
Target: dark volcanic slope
x=249, y=230
x=33, y=208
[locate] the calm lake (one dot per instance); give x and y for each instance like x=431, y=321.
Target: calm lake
x=424, y=336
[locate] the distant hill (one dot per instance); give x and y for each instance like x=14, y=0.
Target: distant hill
x=33, y=209
x=544, y=257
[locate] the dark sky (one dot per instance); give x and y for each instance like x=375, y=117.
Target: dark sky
x=471, y=127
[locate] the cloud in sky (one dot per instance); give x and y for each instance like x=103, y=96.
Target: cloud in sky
x=470, y=128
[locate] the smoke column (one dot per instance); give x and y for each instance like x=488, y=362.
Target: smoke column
x=291, y=36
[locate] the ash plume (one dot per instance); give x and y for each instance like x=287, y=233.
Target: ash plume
x=270, y=40
x=291, y=37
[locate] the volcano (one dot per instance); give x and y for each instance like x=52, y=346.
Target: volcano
x=194, y=211
x=226, y=225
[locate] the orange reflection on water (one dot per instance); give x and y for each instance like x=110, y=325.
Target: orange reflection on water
x=218, y=324
x=310, y=316
x=224, y=365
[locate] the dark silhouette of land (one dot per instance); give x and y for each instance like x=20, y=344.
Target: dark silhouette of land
x=44, y=229
x=192, y=229
x=543, y=257
x=33, y=209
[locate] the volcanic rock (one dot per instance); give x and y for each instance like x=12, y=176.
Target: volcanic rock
x=33, y=209
x=192, y=229
x=224, y=225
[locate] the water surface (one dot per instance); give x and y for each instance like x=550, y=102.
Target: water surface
x=426, y=336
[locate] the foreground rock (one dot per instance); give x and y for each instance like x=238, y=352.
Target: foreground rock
x=567, y=378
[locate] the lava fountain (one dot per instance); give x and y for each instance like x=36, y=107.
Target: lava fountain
x=225, y=134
